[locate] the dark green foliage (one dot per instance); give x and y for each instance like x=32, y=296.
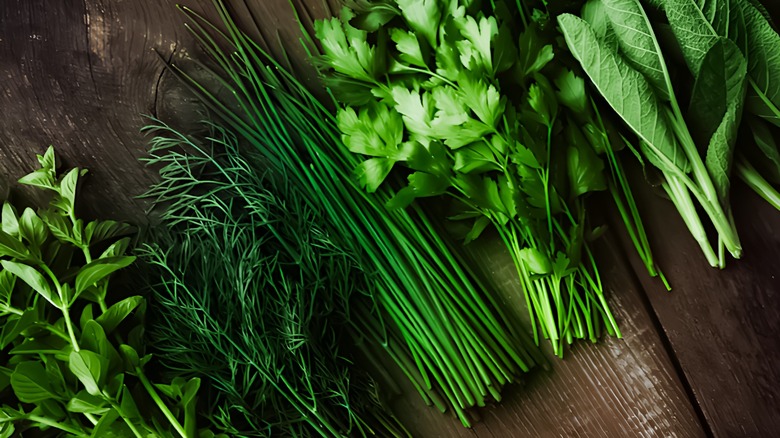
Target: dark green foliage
x=252, y=292
x=75, y=364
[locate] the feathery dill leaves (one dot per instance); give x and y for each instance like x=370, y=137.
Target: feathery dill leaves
x=254, y=294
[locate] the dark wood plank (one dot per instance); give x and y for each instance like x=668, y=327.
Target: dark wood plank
x=619, y=387
x=723, y=326
x=80, y=75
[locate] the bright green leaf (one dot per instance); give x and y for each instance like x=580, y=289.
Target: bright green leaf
x=423, y=17
x=68, y=187
x=30, y=383
x=117, y=313
x=39, y=178
x=34, y=279
x=32, y=228
x=98, y=270
x=10, y=219
x=89, y=368
x=86, y=403
x=408, y=47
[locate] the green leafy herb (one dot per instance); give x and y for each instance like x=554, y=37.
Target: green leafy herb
x=64, y=372
x=438, y=324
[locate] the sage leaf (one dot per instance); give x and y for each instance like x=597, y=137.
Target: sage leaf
x=638, y=42
x=766, y=144
x=720, y=82
x=626, y=90
x=763, y=65
x=694, y=25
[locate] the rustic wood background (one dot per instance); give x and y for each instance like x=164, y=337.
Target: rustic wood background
x=703, y=360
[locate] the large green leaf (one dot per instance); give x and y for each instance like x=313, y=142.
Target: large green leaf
x=697, y=27
x=763, y=65
x=626, y=90
x=719, y=85
x=30, y=382
x=89, y=368
x=638, y=42
x=118, y=312
x=98, y=270
x=34, y=279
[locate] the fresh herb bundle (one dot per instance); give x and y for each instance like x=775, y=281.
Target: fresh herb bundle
x=469, y=99
x=445, y=332
x=729, y=49
x=254, y=294
x=74, y=363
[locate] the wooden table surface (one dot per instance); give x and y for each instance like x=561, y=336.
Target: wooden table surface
x=703, y=360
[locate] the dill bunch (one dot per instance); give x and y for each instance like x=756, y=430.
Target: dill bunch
x=252, y=292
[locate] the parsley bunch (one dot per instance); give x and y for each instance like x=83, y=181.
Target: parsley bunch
x=466, y=101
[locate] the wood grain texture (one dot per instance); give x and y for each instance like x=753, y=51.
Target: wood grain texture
x=80, y=75
x=723, y=326
x=618, y=388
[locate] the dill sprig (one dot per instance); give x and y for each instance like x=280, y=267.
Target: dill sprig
x=253, y=294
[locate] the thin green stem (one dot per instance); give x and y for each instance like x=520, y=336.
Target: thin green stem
x=755, y=181
x=160, y=403
x=57, y=425
x=126, y=419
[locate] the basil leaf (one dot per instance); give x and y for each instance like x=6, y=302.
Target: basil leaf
x=34, y=279
x=89, y=368
x=118, y=312
x=10, y=220
x=98, y=270
x=86, y=403
x=763, y=65
x=30, y=382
